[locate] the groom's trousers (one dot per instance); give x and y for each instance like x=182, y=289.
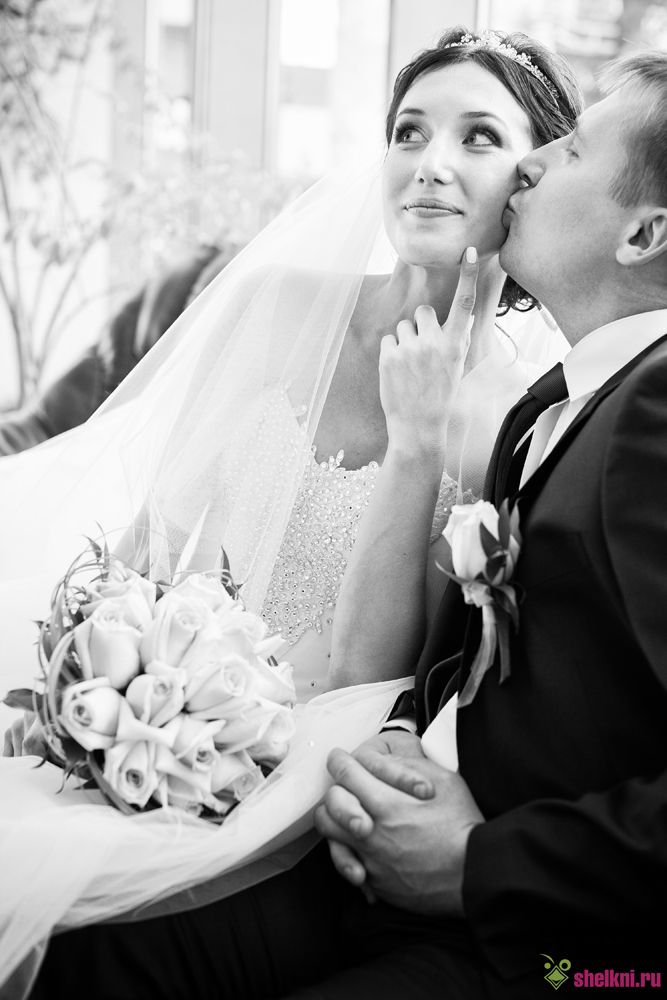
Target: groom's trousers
x=303, y=935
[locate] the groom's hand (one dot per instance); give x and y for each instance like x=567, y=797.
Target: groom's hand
x=387, y=756
x=409, y=852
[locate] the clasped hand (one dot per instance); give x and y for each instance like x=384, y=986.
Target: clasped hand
x=398, y=824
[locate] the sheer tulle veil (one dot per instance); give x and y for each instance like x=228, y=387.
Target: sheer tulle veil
x=203, y=445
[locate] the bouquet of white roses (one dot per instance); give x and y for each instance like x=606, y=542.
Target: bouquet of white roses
x=160, y=695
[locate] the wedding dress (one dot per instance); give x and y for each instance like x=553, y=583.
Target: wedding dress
x=209, y=442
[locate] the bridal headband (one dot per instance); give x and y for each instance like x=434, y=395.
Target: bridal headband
x=493, y=42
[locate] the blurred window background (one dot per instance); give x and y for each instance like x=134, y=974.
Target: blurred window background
x=134, y=131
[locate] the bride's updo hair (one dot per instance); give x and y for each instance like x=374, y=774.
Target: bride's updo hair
x=551, y=97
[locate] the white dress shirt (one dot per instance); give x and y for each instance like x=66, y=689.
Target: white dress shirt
x=587, y=367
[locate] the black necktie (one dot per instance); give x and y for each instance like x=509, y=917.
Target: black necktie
x=549, y=389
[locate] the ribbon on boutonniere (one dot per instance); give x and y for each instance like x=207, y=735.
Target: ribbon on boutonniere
x=485, y=545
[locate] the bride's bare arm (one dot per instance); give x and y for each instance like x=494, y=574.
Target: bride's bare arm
x=380, y=614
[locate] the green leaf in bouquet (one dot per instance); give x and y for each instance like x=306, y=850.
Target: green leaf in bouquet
x=96, y=547
x=24, y=699
x=226, y=578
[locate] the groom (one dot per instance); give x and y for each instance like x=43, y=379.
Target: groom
x=553, y=838
x=546, y=856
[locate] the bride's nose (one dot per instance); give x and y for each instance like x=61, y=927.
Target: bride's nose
x=435, y=164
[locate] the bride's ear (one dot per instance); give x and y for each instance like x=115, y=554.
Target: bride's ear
x=644, y=238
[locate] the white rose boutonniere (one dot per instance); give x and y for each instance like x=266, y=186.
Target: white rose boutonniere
x=485, y=545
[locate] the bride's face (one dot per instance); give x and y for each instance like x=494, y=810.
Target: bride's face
x=451, y=165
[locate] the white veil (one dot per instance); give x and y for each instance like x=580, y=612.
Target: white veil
x=204, y=444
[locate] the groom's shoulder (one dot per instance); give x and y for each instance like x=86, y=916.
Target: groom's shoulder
x=651, y=368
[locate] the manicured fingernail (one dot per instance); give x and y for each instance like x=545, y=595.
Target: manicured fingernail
x=471, y=255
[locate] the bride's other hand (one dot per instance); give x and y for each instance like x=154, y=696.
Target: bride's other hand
x=422, y=366
x=24, y=737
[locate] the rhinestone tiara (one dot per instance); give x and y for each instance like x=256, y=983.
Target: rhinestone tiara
x=492, y=41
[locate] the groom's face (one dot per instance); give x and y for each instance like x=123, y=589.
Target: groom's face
x=564, y=223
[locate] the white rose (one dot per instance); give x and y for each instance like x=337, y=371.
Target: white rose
x=179, y=793
x=108, y=645
x=167, y=763
x=156, y=698
x=96, y=715
x=135, y=595
x=236, y=775
x=273, y=746
x=241, y=630
x=214, y=676
x=193, y=742
x=207, y=589
x=129, y=768
x=178, y=621
x=248, y=725
x=273, y=683
x=463, y=534
x=90, y=713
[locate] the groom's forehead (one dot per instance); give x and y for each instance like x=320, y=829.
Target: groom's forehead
x=608, y=121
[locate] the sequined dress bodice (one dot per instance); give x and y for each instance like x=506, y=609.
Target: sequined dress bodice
x=322, y=529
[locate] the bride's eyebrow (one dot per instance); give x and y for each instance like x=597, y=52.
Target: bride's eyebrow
x=474, y=115
x=410, y=111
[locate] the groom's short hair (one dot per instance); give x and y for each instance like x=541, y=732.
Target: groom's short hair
x=644, y=175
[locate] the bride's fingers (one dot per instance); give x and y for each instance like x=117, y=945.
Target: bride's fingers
x=398, y=773
x=460, y=314
x=405, y=330
x=346, y=863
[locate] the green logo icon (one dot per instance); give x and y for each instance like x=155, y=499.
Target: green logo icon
x=556, y=971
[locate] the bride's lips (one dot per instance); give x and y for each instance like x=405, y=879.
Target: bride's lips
x=428, y=208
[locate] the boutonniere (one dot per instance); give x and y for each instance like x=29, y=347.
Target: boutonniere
x=485, y=545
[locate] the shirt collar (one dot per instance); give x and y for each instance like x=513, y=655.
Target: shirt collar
x=604, y=351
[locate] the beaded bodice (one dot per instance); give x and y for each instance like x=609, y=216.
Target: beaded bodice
x=322, y=529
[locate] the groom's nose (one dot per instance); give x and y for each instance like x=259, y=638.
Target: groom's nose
x=531, y=168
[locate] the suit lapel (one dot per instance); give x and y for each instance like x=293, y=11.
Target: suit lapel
x=535, y=482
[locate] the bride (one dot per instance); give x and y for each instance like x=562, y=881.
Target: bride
x=257, y=420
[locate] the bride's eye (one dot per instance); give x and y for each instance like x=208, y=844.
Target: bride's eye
x=407, y=133
x=482, y=137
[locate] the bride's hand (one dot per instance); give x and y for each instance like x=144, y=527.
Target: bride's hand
x=422, y=366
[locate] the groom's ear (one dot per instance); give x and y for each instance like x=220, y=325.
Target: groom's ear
x=644, y=238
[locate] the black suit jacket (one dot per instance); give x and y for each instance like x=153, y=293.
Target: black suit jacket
x=568, y=759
